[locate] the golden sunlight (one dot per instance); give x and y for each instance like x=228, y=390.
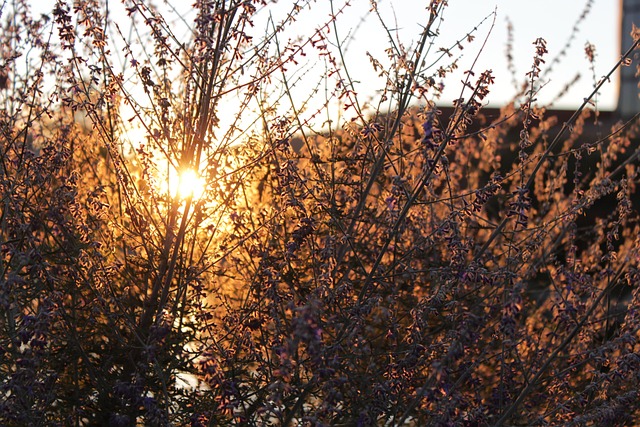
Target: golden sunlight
x=186, y=184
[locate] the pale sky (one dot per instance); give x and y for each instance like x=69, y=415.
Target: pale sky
x=550, y=19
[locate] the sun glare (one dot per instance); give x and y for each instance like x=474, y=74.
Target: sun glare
x=187, y=184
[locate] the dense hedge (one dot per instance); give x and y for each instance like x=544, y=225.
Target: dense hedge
x=406, y=267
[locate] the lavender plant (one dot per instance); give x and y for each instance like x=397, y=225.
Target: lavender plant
x=401, y=263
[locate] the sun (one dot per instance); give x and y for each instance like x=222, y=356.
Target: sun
x=186, y=184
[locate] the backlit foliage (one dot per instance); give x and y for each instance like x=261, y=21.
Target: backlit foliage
x=401, y=263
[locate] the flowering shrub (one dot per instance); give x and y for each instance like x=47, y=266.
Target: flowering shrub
x=417, y=265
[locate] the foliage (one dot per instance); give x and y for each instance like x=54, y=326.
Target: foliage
x=400, y=267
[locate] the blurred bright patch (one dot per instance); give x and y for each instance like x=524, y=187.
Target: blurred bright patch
x=186, y=184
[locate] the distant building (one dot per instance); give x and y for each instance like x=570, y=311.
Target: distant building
x=628, y=100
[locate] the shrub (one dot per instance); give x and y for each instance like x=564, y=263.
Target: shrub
x=413, y=266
